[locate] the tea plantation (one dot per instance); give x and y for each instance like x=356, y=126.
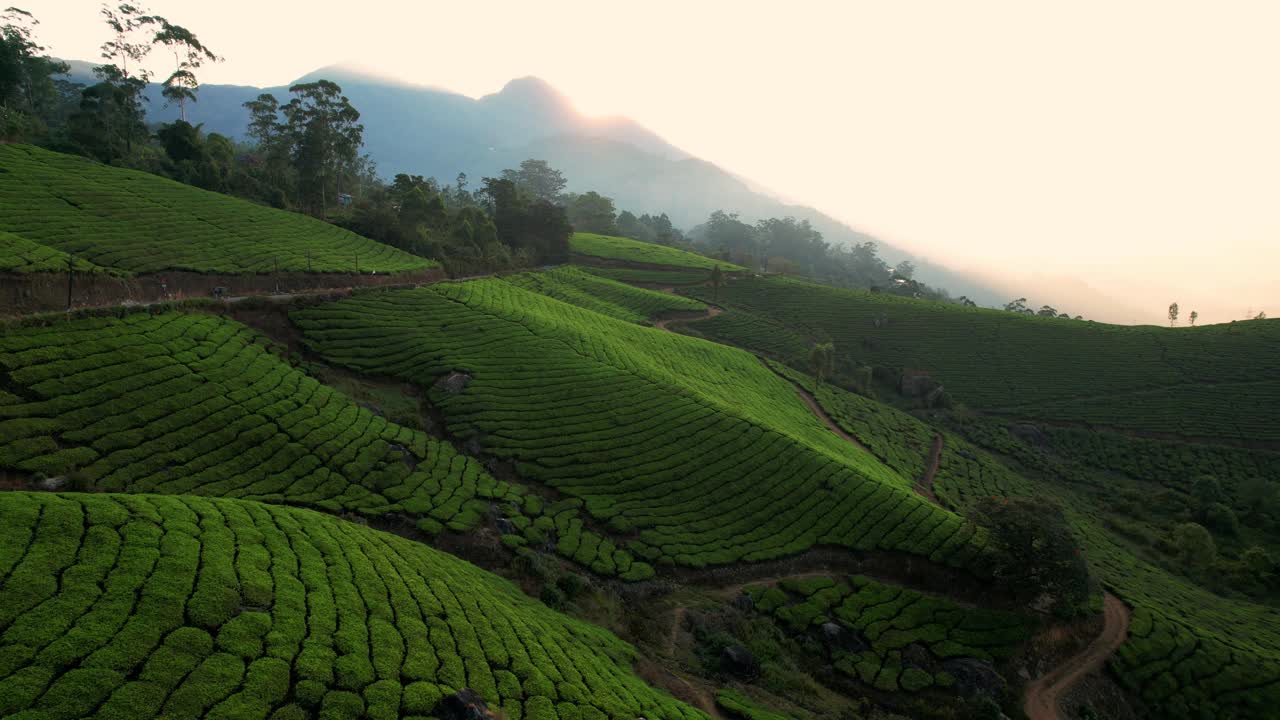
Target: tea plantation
x=198, y=404
x=603, y=295
x=141, y=606
x=1212, y=381
x=1187, y=654
x=141, y=223
x=649, y=277
x=1191, y=653
x=628, y=251
x=906, y=637
x=20, y=255
x=699, y=449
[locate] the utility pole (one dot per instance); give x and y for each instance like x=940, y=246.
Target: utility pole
x=308, y=259
x=276, y=264
x=71, y=275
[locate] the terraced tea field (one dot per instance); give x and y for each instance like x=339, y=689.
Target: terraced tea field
x=892, y=639
x=198, y=404
x=20, y=255
x=626, y=250
x=697, y=449
x=141, y=223
x=663, y=278
x=585, y=290
x=139, y=606
x=1188, y=654
x=1212, y=381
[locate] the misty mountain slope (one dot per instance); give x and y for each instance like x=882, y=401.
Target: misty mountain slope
x=433, y=132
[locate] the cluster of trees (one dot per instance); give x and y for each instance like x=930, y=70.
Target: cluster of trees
x=106, y=119
x=794, y=247
x=1020, y=306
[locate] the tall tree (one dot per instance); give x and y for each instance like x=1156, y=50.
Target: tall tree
x=731, y=238
x=26, y=74
x=822, y=360
x=125, y=52
x=592, y=212
x=1035, y=552
x=189, y=54
x=537, y=180
x=1194, y=316
x=1173, y=314
x=326, y=135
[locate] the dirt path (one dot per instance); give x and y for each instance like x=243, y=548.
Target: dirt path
x=822, y=415
x=925, y=487
x=1044, y=693
x=684, y=317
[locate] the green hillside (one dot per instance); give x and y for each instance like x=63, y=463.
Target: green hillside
x=576, y=287
x=1186, y=653
x=20, y=255
x=626, y=250
x=198, y=404
x=712, y=457
x=891, y=619
x=143, y=606
x=1213, y=381
x=141, y=223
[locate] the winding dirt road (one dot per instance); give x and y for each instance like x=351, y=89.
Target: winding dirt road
x=1045, y=693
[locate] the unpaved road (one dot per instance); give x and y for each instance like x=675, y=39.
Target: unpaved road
x=1044, y=693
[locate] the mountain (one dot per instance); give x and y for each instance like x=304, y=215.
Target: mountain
x=429, y=131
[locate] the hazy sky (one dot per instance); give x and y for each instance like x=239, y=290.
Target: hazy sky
x=1133, y=145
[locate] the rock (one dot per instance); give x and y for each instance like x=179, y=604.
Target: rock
x=739, y=661
x=832, y=632
x=917, y=656
x=504, y=526
x=52, y=484
x=466, y=704
x=1030, y=434
x=974, y=676
x=838, y=637
x=744, y=602
x=918, y=384
x=454, y=382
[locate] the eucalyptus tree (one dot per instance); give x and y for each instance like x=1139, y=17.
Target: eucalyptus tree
x=325, y=134
x=189, y=55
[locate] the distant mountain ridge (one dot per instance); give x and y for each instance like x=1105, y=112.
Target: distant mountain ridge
x=433, y=132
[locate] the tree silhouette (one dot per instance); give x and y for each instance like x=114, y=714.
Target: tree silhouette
x=822, y=360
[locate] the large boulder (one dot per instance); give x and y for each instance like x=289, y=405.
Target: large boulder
x=453, y=383
x=1030, y=434
x=974, y=676
x=737, y=660
x=838, y=637
x=466, y=704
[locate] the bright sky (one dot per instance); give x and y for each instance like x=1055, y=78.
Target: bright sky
x=1131, y=145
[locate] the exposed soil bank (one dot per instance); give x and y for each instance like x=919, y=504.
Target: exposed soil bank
x=38, y=292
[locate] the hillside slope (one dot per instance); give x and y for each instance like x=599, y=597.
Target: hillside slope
x=635, y=253
x=705, y=452
x=141, y=223
x=141, y=606
x=1214, y=381
x=1186, y=653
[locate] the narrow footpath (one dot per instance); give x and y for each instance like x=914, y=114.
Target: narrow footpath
x=1044, y=694
x=925, y=486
